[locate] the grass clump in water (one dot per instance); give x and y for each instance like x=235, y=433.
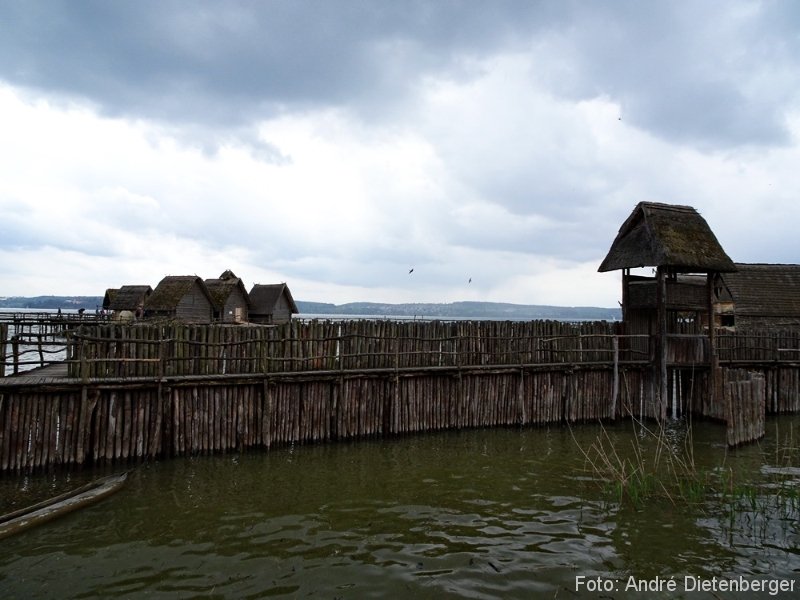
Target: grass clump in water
x=653, y=467
x=658, y=465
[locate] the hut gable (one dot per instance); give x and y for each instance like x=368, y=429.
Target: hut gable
x=765, y=296
x=231, y=301
x=271, y=303
x=130, y=297
x=182, y=297
x=109, y=298
x=666, y=235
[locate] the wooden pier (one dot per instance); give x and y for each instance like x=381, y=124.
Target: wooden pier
x=35, y=339
x=133, y=392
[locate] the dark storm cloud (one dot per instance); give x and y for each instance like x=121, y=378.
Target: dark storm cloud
x=700, y=72
x=212, y=60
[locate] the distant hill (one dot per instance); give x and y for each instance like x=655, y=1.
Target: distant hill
x=52, y=302
x=465, y=310
x=452, y=310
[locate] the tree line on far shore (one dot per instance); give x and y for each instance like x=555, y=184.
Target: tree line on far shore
x=452, y=310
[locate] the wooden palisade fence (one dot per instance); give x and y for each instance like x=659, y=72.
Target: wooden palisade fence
x=75, y=423
x=149, y=350
x=149, y=390
x=745, y=395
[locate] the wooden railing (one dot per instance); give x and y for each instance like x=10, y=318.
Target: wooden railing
x=49, y=322
x=153, y=351
x=750, y=348
x=37, y=339
x=24, y=352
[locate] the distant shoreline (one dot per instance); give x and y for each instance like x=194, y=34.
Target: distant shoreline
x=491, y=311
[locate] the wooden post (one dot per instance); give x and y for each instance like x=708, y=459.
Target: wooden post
x=15, y=351
x=661, y=348
x=3, y=348
x=615, y=381
x=522, y=416
x=40, y=347
x=715, y=375
x=84, y=361
x=625, y=282
x=161, y=358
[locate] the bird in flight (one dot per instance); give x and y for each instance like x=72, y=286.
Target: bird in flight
x=470, y=280
x=411, y=271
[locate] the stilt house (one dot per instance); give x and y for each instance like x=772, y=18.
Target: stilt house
x=231, y=300
x=271, y=304
x=758, y=297
x=685, y=257
x=181, y=297
x=669, y=307
x=130, y=298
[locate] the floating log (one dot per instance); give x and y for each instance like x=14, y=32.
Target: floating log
x=25, y=518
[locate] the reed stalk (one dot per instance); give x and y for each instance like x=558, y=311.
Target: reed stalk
x=655, y=469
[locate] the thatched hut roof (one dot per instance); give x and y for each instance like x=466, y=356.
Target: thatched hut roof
x=263, y=297
x=765, y=290
x=221, y=289
x=666, y=235
x=130, y=297
x=108, y=298
x=171, y=289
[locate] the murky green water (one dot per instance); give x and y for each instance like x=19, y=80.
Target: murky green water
x=504, y=513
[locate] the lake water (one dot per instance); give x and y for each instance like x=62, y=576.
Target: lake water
x=501, y=513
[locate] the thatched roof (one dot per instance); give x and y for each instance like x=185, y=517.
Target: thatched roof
x=765, y=290
x=130, y=297
x=109, y=297
x=666, y=235
x=263, y=297
x=221, y=289
x=171, y=289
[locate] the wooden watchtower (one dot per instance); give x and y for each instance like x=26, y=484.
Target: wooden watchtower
x=678, y=300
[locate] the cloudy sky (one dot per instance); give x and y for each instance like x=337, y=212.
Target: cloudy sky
x=335, y=145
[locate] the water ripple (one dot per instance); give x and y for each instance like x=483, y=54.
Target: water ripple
x=401, y=518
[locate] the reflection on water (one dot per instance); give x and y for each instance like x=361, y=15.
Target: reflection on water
x=503, y=513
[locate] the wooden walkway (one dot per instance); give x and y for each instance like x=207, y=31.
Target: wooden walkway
x=40, y=376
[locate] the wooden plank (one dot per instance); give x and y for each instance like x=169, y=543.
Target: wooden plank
x=6, y=412
x=28, y=404
x=140, y=409
x=96, y=429
x=17, y=412
x=35, y=428
x=51, y=429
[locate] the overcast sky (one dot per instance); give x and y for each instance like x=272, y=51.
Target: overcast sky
x=335, y=145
